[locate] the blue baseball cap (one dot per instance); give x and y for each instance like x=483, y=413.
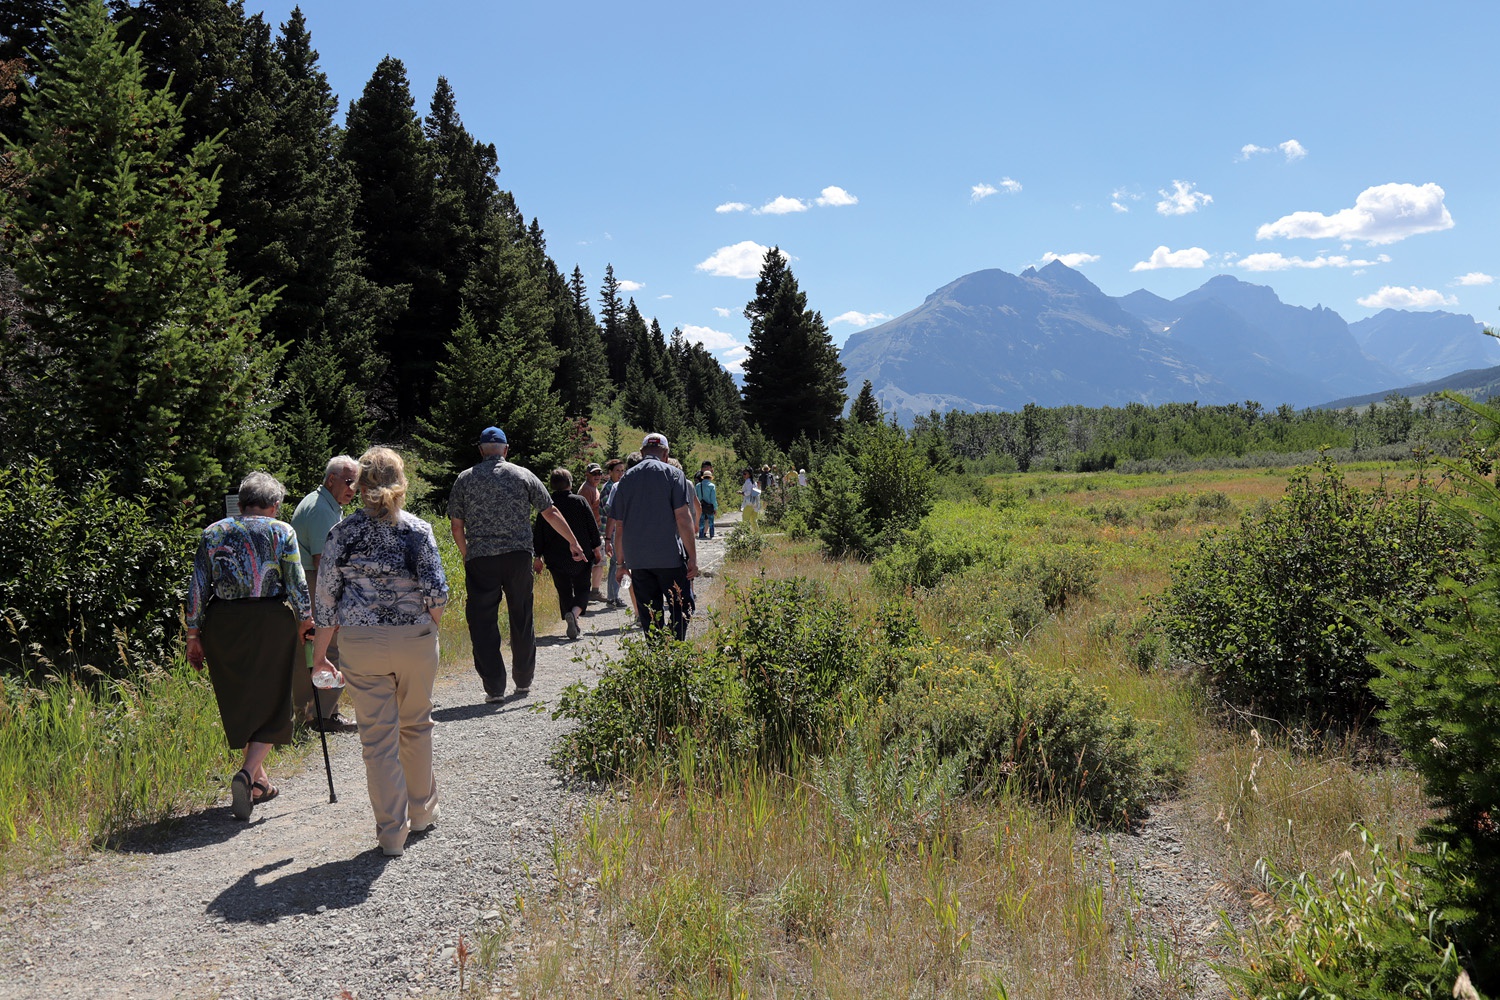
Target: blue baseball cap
x=492, y=435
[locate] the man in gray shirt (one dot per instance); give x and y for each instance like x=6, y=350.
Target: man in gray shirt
x=490, y=514
x=655, y=538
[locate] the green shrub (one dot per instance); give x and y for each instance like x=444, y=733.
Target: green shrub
x=695, y=935
x=799, y=655
x=745, y=542
x=645, y=704
x=891, y=796
x=1266, y=609
x=88, y=579
x=1058, y=573
x=1044, y=734
x=1353, y=937
x=1440, y=681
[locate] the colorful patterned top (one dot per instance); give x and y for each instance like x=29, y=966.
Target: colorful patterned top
x=247, y=556
x=375, y=574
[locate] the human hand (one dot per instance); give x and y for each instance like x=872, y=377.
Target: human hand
x=195, y=652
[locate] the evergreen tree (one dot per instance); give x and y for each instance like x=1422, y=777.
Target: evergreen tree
x=491, y=379
x=24, y=48
x=464, y=191
x=793, y=379
x=508, y=284
x=583, y=382
x=618, y=341
x=384, y=147
x=866, y=408
x=140, y=346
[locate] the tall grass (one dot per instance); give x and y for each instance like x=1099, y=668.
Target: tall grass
x=84, y=765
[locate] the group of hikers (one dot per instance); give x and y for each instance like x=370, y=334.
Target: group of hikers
x=358, y=599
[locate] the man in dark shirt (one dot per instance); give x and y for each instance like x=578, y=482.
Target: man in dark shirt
x=652, y=523
x=572, y=579
x=490, y=511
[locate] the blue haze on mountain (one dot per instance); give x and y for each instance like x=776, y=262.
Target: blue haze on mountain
x=1426, y=345
x=992, y=340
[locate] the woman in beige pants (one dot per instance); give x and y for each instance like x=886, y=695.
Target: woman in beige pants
x=381, y=587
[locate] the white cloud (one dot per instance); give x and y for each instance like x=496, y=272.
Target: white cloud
x=1161, y=258
x=743, y=260
x=732, y=206
x=782, y=205
x=984, y=189
x=713, y=340
x=1474, y=278
x=630, y=286
x=1383, y=214
x=1276, y=262
x=667, y=295
x=1119, y=196
x=836, y=197
x=723, y=313
x=1293, y=149
x=1182, y=200
x=859, y=318
x=1070, y=259
x=1393, y=297
x=1251, y=149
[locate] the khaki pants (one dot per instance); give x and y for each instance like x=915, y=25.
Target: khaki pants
x=389, y=671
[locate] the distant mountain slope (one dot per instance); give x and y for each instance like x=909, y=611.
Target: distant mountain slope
x=995, y=340
x=1426, y=345
x=1476, y=383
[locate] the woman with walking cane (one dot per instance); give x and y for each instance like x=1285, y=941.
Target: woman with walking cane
x=247, y=570
x=381, y=585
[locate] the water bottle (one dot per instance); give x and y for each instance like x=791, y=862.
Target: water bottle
x=322, y=677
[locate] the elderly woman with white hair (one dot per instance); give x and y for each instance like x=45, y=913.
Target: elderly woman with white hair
x=246, y=572
x=381, y=586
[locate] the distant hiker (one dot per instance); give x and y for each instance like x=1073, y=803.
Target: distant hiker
x=696, y=505
x=655, y=538
x=708, y=499
x=382, y=587
x=246, y=571
x=767, y=477
x=593, y=478
x=318, y=512
x=571, y=578
x=490, y=514
x=749, y=492
x=614, y=469
x=801, y=477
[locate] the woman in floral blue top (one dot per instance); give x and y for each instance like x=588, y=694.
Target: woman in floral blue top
x=246, y=572
x=381, y=586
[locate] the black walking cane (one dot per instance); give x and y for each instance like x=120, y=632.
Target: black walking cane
x=318, y=714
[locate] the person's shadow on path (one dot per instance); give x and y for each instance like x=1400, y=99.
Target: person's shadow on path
x=336, y=885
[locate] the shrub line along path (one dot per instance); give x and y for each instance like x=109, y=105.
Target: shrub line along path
x=299, y=901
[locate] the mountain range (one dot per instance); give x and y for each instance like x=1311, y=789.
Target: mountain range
x=992, y=340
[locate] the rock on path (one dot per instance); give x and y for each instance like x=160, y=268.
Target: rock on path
x=299, y=902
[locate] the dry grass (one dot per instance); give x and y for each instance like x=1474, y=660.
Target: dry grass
x=759, y=884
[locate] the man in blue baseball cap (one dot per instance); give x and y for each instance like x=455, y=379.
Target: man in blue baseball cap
x=489, y=511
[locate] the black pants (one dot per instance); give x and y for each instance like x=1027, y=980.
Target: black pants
x=488, y=579
x=655, y=587
x=573, y=583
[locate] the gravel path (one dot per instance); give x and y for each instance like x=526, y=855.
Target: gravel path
x=299, y=902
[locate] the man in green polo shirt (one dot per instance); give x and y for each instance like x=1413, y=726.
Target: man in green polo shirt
x=318, y=512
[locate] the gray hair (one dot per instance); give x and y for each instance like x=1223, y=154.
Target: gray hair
x=260, y=489
x=339, y=463
x=489, y=448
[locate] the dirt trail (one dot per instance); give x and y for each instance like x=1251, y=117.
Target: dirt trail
x=299, y=902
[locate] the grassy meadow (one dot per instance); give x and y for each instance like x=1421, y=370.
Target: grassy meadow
x=846, y=873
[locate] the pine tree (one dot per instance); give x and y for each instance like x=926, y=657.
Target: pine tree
x=24, y=48
x=793, y=381
x=464, y=191
x=490, y=379
x=140, y=345
x=385, y=149
x=618, y=342
x=866, y=408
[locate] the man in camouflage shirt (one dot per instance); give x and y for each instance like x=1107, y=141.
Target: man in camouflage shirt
x=490, y=512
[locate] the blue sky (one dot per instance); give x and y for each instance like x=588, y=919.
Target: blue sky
x=1343, y=153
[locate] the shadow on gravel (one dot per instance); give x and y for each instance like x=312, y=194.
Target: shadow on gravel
x=336, y=885
x=213, y=825
x=463, y=713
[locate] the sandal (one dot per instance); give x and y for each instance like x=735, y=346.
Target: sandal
x=241, y=802
x=267, y=791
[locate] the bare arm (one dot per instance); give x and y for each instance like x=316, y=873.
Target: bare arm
x=689, y=535
x=456, y=525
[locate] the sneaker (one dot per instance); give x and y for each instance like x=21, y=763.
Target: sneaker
x=336, y=723
x=573, y=630
x=594, y=595
x=392, y=852
x=522, y=692
x=493, y=699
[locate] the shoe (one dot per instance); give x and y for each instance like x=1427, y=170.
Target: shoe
x=336, y=723
x=493, y=699
x=573, y=630
x=594, y=595
x=392, y=852
x=522, y=692
x=240, y=800
x=267, y=792
x=425, y=828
